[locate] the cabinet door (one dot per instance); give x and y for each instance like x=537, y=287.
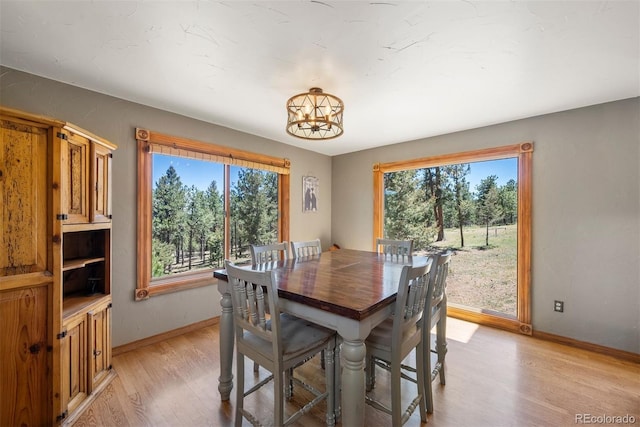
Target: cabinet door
x=99, y=344
x=24, y=361
x=101, y=184
x=23, y=198
x=74, y=363
x=75, y=178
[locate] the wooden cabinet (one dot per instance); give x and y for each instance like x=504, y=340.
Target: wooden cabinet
x=26, y=278
x=85, y=354
x=85, y=229
x=25, y=361
x=85, y=168
x=99, y=343
x=55, y=268
x=86, y=311
x=24, y=148
x=75, y=182
x=74, y=363
x=101, y=183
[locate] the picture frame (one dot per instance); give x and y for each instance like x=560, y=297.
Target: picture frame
x=310, y=194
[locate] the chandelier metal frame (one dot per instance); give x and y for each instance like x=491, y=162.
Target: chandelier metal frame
x=315, y=115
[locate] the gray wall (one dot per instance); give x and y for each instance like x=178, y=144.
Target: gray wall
x=586, y=213
x=115, y=119
x=586, y=204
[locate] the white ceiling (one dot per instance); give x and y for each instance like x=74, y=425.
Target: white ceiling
x=404, y=69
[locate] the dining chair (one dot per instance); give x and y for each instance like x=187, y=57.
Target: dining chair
x=306, y=248
x=436, y=316
x=278, y=344
x=394, y=248
x=261, y=254
x=265, y=256
x=399, y=335
x=303, y=249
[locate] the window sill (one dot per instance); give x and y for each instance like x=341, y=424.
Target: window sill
x=170, y=285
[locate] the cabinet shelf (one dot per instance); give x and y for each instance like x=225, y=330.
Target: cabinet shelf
x=76, y=303
x=71, y=264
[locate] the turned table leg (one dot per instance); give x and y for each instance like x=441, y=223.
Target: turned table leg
x=352, y=358
x=225, y=381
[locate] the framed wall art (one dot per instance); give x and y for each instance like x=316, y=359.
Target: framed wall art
x=310, y=194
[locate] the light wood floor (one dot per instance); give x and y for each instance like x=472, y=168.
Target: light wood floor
x=494, y=378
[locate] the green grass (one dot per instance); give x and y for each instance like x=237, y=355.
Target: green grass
x=480, y=276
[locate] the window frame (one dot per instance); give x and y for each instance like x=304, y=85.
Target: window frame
x=524, y=154
x=148, y=143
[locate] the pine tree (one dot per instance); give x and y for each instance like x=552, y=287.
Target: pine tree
x=461, y=195
x=169, y=197
x=255, y=208
x=406, y=211
x=434, y=182
x=272, y=218
x=488, y=204
x=215, y=226
x=509, y=201
x=196, y=216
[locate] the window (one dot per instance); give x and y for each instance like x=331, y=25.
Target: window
x=424, y=199
x=200, y=203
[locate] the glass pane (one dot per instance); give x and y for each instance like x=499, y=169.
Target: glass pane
x=188, y=219
x=254, y=211
x=470, y=208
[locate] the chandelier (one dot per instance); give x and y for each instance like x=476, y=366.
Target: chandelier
x=314, y=115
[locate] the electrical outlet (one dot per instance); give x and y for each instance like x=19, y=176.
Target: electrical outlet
x=558, y=306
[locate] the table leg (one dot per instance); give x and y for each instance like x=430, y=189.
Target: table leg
x=353, y=388
x=225, y=381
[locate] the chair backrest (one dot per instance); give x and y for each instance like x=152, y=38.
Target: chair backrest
x=440, y=271
x=261, y=254
x=306, y=248
x=413, y=289
x=394, y=248
x=250, y=291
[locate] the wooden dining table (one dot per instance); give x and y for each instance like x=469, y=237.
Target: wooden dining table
x=349, y=291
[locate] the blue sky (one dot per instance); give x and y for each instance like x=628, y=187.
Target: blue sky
x=201, y=173
x=192, y=172
x=504, y=169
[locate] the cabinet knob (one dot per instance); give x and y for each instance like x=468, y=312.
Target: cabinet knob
x=97, y=353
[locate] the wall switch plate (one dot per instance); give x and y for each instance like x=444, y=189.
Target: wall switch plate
x=558, y=306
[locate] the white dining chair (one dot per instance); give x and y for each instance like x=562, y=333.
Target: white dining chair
x=395, y=249
x=436, y=316
x=306, y=248
x=278, y=344
x=265, y=256
x=396, y=337
x=261, y=254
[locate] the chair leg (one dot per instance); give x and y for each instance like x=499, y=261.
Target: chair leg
x=370, y=373
x=396, y=401
x=329, y=372
x=422, y=405
x=337, y=375
x=288, y=384
x=278, y=398
x=426, y=351
x=441, y=345
x=239, y=389
x=256, y=367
